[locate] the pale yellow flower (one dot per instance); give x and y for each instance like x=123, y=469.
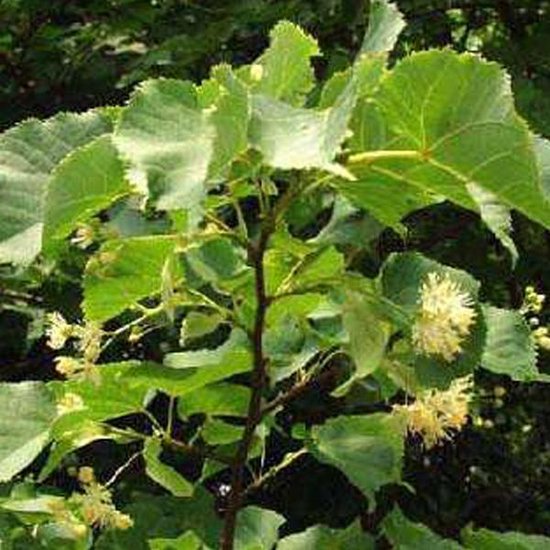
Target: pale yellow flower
x=436, y=415
x=533, y=302
x=121, y=521
x=68, y=366
x=58, y=331
x=445, y=317
x=96, y=503
x=541, y=338
x=64, y=516
x=90, y=341
x=86, y=475
x=77, y=369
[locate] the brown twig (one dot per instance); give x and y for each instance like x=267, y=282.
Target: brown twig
x=298, y=390
x=258, y=385
x=257, y=252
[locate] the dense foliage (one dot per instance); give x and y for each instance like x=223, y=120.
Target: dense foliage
x=248, y=285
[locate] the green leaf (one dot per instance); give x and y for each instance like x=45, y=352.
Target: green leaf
x=257, y=529
x=161, y=473
x=187, y=541
x=123, y=272
x=84, y=183
x=294, y=138
x=217, y=399
x=348, y=225
x=28, y=154
x=467, y=136
x=301, y=305
x=406, y=535
x=542, y=150
x=284, y=340
x=385, y=25
x=230, y=116
x=191, y=370
x=497, y=217
x=177, y=380
x=325, y=538
x=215, y=260
x=387, y=196
x=509, y=348
x=84, y=433
x=218, y=432
x=284, y=71
x=368, y=332
x=368, y=449
x=177, y=136
x=124, y=387
x=235, y=347
x=165, y=517
x=116, y=395
x=169, y=142
x=28, y=410
x=197, y=324
x=483, y=539
x=323, y=264
x=402, y=278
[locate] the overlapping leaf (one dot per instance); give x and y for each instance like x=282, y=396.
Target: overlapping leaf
x=368, y=449
x=484, y=539
x=28, y=154
x=175, y=136
x=466, y=134
x=385, y=25
x=510, y=348
x=28, y=410
x=162, y=473
x=407, y=535
x=284, y=71
x=321, y=537
x=85, y=182
x=257, y=529
x=123, y=272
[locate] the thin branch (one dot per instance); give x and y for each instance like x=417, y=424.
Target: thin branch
x=258, y=385
x=259, y=375
x=272, y=472
x=296, y=391
x=121, y=469
x=170, y=422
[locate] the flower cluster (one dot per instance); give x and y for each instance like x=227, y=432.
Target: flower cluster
x=96, y=503
x=445, y=317
x=88, y=343
x=93, y=508
x=541, y=337
x=58, y=330
x=533, y=304
x=436, y=415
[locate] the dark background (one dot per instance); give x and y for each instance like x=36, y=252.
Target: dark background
x=73, y=55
